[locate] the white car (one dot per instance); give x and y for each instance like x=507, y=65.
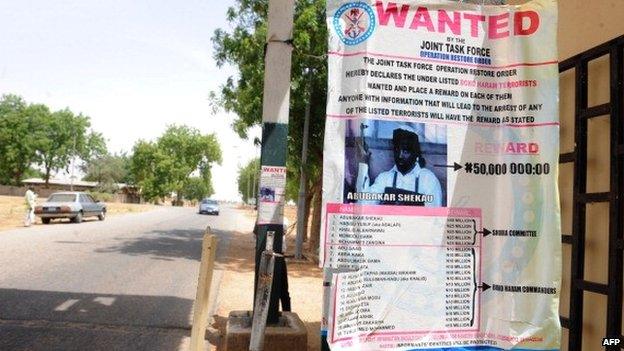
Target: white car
x=73, y=205
x=209, y=206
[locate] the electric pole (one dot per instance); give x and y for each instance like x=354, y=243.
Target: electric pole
x=275, y=112
x=302, y=220
x=249, y=185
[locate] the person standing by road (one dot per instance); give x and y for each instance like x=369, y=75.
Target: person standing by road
x=31, y=201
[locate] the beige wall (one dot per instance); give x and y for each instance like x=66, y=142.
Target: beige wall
x=583, y=25
x=42, y=193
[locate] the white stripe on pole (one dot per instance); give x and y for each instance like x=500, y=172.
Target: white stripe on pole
x=277, y=62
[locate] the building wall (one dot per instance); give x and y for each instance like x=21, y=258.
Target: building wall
x=585, y=24
x=582, y=26
x=9, y=190
x=43, y=193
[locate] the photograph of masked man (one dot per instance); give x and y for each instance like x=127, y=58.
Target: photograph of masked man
x=406, y=181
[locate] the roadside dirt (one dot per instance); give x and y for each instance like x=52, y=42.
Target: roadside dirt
x=236, y=291
x=13, y=211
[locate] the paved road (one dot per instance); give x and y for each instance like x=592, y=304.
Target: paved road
x=127, y=283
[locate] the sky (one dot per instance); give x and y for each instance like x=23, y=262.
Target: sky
x=133, y=66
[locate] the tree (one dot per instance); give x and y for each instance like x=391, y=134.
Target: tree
x=107, y=170
x=63, y=136
x=30, y=134
x=18, y=137
x=197, y=188
x=243, y=47
x=164, y=166
x=95, y=147
x=248, y=179
x=145, y=162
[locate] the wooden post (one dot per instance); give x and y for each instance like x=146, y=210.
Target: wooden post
x=200, y=311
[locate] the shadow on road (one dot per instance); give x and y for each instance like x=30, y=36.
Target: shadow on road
x=162, y=245
x=46, y=320
x=235, y=250
x=240, y=257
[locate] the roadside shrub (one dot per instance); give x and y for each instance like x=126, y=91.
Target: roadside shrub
x=104, y=197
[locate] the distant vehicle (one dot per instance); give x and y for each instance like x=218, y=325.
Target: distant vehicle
x=209, y=206
x=73, y=205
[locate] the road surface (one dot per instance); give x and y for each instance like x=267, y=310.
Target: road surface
x=127, y=283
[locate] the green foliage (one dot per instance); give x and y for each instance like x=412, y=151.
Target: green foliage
x=17, y=138
x=63, y=136
x=243, y=48
x=165, y=165
x=108, y=170
x=32, y=173
x=95, y=147
x=102, y=196
x=248, y=179
x=31, y=134
x=197, y=188
x=147, y=168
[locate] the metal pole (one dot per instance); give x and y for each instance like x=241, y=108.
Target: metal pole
x=275, y=111
x=254, y=184
x=248, y=187
x=73, y=162
x=302, y=221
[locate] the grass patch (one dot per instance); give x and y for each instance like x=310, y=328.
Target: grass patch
x=13, y=210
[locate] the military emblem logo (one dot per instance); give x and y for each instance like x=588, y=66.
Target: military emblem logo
x=354, y=22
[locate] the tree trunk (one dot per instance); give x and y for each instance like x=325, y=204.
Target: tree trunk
x=17, y=177
x=315, y=233
x=179, y=200
x=47, y=176
x=306, y=214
